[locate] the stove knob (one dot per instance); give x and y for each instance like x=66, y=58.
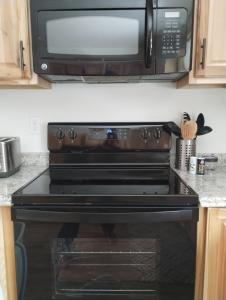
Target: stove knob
x=145, y=135
x=157, y=133
x=60, y=134
x=72, y=134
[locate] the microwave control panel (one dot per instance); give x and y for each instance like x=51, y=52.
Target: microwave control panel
x=172, y=31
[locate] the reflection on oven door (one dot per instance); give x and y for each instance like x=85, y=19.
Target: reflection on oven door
x=113, y=264
x=102, y=267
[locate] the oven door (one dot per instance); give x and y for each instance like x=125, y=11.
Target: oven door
x=100, y=254
x=105, y=39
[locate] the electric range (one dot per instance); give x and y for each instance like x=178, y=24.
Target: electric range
x=109, y=218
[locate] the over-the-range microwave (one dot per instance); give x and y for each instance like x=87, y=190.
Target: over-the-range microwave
x=112, y=40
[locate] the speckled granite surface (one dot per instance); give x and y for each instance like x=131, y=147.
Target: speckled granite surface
x=35, y=158
x=210, y=187
x=32, y=165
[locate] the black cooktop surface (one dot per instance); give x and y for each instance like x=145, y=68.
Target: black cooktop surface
x=110, y=187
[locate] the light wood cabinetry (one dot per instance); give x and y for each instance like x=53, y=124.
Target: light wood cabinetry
x=15, y=48
x=200, y=255
x=211, y=39
x=209, y=45
x=14, y=58
x=215, y=262
x=7, y=256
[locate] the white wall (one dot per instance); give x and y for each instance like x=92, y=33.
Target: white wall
x=118, y=102
x=1, y=294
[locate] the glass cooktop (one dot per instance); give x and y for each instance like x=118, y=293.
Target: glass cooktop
x=109, y=187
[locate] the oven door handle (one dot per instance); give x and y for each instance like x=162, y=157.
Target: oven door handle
x=149, y=33
x=105, y=217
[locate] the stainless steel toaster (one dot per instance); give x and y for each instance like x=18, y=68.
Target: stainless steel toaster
x=10, y=155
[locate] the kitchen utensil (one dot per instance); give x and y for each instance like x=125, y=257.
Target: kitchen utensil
x=204, y=130
x=188, y=130
x=173, y=128
x=183, y=129
x=184, y=150
x=10, y=156
x=186, y=116
x=200, y=120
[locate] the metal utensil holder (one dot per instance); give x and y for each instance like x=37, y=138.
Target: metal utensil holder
x=184, y=150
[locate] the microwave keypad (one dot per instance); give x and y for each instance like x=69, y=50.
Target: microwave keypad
x=172, y=35
x=171, y=41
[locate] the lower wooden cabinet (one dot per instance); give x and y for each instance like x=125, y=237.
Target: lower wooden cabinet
x=215, y=262
x=200, y=255
x=7, y=256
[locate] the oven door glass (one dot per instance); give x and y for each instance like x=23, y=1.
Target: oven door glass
x=97, y=34
x=133, y=261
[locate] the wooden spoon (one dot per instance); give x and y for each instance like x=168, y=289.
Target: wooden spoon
x=188, y=130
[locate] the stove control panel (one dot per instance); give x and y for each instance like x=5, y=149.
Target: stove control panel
x=66, y=137
x=108, y=133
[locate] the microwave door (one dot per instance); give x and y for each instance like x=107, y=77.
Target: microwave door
x=92, y=42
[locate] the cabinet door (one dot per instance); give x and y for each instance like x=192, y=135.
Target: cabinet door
x=14, y=40
x=3, y=284
x=215, y=269
x=7, y=257
x=211, y=39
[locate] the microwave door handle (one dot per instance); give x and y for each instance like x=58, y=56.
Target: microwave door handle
x=149, y=33
x=103, y=217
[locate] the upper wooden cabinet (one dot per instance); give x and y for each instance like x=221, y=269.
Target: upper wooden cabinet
x=211, y=39
x=209, y=45
x=215, y=264
x=15, y=48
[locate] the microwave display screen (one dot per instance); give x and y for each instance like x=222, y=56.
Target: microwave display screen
x=172, y=14
x=92, y=35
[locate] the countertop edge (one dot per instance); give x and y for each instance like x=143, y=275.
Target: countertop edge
x=11, y=184
x=211, y=187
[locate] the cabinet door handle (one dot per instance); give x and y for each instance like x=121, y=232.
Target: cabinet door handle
x=203, y=47
x=22, y=64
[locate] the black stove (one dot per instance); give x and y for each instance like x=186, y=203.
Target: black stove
x=108, y=164
x=109, y=218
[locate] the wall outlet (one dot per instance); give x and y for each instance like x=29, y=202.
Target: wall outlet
x=35, y=125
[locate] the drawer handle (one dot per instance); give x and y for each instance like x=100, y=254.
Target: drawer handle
x=203, y=61
x=22, y=64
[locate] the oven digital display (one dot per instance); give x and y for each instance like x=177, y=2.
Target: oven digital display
x=109, y=133
x=112, y=134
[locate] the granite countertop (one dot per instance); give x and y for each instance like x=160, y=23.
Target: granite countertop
x=210, y=187
x=32, y=166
